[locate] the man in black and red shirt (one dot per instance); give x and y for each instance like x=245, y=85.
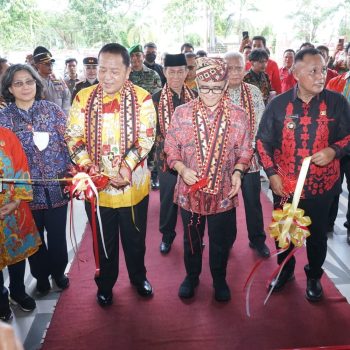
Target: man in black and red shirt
x=306, y=121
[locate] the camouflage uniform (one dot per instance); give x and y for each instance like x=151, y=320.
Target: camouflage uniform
x=147, y=78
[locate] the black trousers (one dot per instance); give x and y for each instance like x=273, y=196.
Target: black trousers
x=251, y=188
x=16, y=276
x=344, y=170
x=152, y=166
x=132, y=236
x=220, y=237
x=51, y=259
x=168, y=209
x=316, y=244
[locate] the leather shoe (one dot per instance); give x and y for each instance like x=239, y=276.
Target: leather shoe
x=222, y=291
x=155, y=184
x=348, y=237
x=314, y=291
x=144, y=288
x=262, y=249
x=43, y=286
x=104, y=299
x=187, y=287
x=165, y=247
x=62, y=282
x=278, y=284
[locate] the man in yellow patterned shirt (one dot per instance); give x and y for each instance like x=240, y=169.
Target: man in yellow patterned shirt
x=111, y=129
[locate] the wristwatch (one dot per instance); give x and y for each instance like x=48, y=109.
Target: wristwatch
x=240, y=171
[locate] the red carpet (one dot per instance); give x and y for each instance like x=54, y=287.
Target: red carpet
x=166, y=322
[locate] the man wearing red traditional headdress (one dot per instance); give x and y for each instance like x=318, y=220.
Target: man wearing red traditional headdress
x=306, y=121
x=208, y=144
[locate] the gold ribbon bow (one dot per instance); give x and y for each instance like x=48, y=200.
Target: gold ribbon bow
x=289, y=227
x=289, y=224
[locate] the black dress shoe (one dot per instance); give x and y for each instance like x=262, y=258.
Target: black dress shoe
x=144, y=288
x=43, y=286
x=314, y=291
x=104, y=299
x=262, y=249
x=279, y=283
x=62, y=282
x=5, y=313
x=155, y=184
x=222, y=291
x=330, y=230
x=187, y=287
x=165, y=247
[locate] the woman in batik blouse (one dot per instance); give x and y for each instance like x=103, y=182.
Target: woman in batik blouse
x=19, y=237
x=40, y=126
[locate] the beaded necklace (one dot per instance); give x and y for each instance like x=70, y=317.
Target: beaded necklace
x=211, y=142
x=166, y=106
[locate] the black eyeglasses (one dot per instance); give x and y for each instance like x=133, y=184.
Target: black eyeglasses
x=214, y=90
x=21, y=83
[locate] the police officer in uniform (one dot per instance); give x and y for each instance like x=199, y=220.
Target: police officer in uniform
x=54, y=90
x=90, y=73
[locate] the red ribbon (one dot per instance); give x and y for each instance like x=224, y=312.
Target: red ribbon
x=198, y=185
x=100, y=182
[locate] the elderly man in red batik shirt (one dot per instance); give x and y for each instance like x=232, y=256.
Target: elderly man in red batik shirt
x=306, y=121
x=208, y=144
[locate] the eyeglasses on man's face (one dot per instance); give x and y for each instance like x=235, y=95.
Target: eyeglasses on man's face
x=20, y=83
x=215, y=90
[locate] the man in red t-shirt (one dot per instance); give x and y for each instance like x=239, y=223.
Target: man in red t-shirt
x=286, y=75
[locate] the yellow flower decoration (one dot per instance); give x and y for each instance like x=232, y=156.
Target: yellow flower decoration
x=287, y=227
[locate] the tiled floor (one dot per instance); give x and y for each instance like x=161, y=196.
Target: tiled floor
x=31, y=327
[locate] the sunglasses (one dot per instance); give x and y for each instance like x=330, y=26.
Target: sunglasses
x=20, y=83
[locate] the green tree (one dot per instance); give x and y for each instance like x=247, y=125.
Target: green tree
x=19, y=21
x=309, y=17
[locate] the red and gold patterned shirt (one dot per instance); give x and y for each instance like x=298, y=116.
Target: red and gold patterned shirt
x=291, y=130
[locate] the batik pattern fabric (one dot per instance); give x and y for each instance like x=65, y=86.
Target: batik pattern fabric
x=249, y=98
x=2, y=102
x=165, y=102
x=261, y=81
x=48, y=164
x=291, y=130
x=111, y=130
x=19, y=237
x=223, y=139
